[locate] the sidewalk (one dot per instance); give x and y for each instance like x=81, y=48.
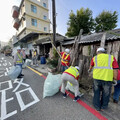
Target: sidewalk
x=42, y=68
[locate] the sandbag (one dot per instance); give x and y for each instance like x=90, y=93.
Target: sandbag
x=14, y=72
x=24, y=65
x=51, y=85
x=28, y=62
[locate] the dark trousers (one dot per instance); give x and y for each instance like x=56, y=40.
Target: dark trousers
x=63, y=68
x=102, y=90
x=116, y=91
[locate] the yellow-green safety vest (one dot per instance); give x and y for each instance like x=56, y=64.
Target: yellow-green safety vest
x=103, y=69
x=73, y=71
x=19, y=61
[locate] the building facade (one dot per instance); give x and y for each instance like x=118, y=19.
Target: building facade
x=32, y=16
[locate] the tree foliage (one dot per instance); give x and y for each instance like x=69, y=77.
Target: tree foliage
x=82, y=20
x=106, y=21
x=6, y=47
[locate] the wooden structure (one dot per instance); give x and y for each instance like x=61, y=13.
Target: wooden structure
x=88, y=45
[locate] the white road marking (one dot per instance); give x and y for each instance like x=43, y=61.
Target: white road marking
x=10, y=63
x=9, y=85
x=7, y=70
x=19, y=83
x=21, y=102
x=4, y=64
x=6, y=74
x=4, y=114
x=1, y=75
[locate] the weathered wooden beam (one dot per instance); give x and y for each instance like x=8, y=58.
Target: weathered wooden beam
x=75, y=49
x=80, y=33
x=102, y=44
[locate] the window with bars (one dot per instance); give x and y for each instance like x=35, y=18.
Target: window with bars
x=33, y=8
x=45, y=17
x=45, y=29
x=34, y=22
x=44, y=5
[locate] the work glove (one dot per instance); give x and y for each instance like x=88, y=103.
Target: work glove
x=89, y=70
x=114, y=82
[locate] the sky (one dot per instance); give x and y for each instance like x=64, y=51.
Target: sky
x=63, y=8
x=6, y=20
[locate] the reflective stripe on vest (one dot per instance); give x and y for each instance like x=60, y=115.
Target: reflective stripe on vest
x=103, y=67
x=70, y=83
x=64, y=58
x=19, y=61
x=73, y=71
x=34, y=53
x=109, y=63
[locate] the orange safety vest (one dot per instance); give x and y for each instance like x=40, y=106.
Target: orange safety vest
x=64, y=58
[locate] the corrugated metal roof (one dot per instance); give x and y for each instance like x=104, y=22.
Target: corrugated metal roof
x=111, y=35
x=96, y=37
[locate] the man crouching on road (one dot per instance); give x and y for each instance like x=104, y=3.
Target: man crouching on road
x=71, y=75
x=105, y=69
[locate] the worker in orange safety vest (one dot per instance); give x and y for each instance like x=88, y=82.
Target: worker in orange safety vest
x=65, y=59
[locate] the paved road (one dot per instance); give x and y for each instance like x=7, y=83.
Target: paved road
x=22, y=99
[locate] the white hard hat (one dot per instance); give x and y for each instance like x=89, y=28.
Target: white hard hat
x=23, y=48
x=18, y=48
x=77, y=67
x=67, y=50
x=101, y=49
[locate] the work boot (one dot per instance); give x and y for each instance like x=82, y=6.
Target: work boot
x=115, y=101
x=64, y=95
x=21, y=75
x=76, y=99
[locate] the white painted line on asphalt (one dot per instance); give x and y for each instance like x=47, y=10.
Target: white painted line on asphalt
x=0, y=64
x=10, y=63
x=1, y=75
x=21, y=102
x=5, y=73
x=4, y=64
x=19, y=83
x=7, y=70
x=4, y=114
x=9, y=85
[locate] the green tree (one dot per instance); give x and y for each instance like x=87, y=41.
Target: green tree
x=6, y=47
x=82, y=20
x=106, y=21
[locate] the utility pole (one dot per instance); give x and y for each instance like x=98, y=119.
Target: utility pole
x=54, y=21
